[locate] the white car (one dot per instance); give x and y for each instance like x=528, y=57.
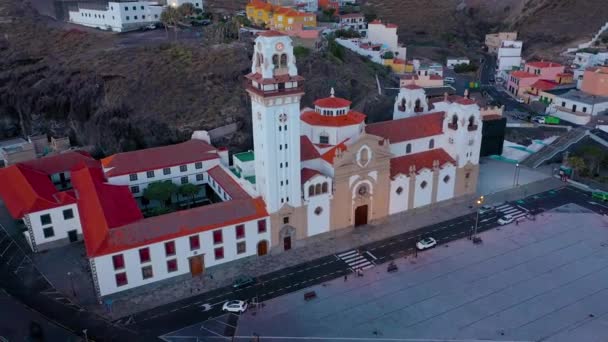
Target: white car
x=520, y=100
x=505, y=220
x=539, y=119
x=426, y=243
x=449, y=80
x=485, y=209
x=237, y=306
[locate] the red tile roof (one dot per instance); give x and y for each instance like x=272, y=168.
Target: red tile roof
x=158, y=157
x=271, y=34
x=182, y=223
x=308, y=151
x=409, y=77
x=544, y=85
x=332, y=102
x=435, y=77
x=405, y=129
x=230, y=186
x=491, y=117
x=25, y=190
x=61, y=162
x=101, y=207
x=412, y=86
x=522, y=74
x=391, y=26
x=399, y=61
x=329, y=155
x=316, y=119
x=543, y=64
x=307, y=174
x=112, y=222
x=422, y=160
x=352, y=15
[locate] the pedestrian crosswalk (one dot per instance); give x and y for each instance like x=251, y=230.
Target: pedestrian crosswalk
x=509, y=209
x=356, y=260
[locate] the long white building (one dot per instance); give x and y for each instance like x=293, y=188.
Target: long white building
x=121, y=16
x=313, y=170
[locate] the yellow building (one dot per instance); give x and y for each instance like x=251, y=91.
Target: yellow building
x=259, y=12
x=286, y=19
x=398, y=66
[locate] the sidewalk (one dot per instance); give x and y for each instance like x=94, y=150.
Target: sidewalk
x=183, y=287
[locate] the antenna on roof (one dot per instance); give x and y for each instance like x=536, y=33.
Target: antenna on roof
x=332, y=92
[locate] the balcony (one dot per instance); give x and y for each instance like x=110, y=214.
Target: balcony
x=453, y=126
x=274, y=92
x=472, y=128
x=401, y=108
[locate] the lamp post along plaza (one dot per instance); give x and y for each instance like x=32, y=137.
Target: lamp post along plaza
x=479, y=202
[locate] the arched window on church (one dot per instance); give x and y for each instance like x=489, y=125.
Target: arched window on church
x=417, y=107
x=402, y=105
x=431, y=144
x=472, y=125
x=311, y=190
x=408, y=148
x=324, y=188
x=454, y=123
x=284, y=60
x=275, y=61
x=318, y=189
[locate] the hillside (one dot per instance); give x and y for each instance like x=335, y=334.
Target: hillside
x=115, y=97
x=546, y=26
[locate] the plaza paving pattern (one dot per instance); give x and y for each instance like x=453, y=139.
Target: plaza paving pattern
x=539, y=280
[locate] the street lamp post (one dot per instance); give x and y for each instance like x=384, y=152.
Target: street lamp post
x=86, y=337
x=479, y=202
x=516, y=175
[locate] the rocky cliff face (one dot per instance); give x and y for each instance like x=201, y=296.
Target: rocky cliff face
x=116, y=98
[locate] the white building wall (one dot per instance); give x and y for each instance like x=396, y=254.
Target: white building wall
x=175, y=176
x=177, y=3
x=158, y=260
x=398, y=202
x=318, y=224
x=336, y=135
x=580, y=106
x=446, y=183
x=417, y=145
x=452, y=62
x=118, y=17
x=60, y=226
x=422, y=196
x=380, y=34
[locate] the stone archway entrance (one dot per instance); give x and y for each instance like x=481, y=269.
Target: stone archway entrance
x=361, y=215
x=286, y=236
x=262, y=248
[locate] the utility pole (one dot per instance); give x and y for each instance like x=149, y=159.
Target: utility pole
x=479, y=202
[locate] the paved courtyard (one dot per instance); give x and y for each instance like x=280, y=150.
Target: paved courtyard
x=540, y=280
x=496, y=175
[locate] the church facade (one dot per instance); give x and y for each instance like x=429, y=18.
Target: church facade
x=321, y=169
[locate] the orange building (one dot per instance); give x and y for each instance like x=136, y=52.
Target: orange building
x=595, y=81
x=287, y=19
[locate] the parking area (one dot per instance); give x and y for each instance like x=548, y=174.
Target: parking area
x=540, y=280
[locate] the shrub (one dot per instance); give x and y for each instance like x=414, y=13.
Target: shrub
x=301, y=51
x=341, y=33
x=462, y=68
x=388, y=55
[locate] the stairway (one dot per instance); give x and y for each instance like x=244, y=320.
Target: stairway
x=559, y=145
x=599, y=136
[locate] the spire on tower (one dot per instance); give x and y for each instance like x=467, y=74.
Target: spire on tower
x=332, y=92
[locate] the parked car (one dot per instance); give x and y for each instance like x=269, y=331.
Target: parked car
x=505, y=220
x=539, y=119
x=149, y=27
x=241, y=14
x=426, y=243
x=601, y=195
x=492, y=80
x=237, y=306
x=520, y=100
x=485, y=209
x=552, y=120
x=449, y=79
x=243, y=281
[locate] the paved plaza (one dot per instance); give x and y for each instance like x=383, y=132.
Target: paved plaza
x=539, y=280
x=497, y=175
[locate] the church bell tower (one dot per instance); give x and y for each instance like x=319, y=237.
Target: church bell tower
x=276, y=89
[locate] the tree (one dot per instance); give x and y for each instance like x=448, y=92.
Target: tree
x=160, y=191
x=594, y=155
x=186, y=9
x=188, y=190
x=577, y=164
x=388, y=55
x=170, y=17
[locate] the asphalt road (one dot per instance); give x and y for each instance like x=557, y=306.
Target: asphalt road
x=175, y=316
x=21, y=279
x=487, y=71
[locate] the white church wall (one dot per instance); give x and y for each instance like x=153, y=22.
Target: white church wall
x=446, y=183
x=424, y=188
x=398, y=199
